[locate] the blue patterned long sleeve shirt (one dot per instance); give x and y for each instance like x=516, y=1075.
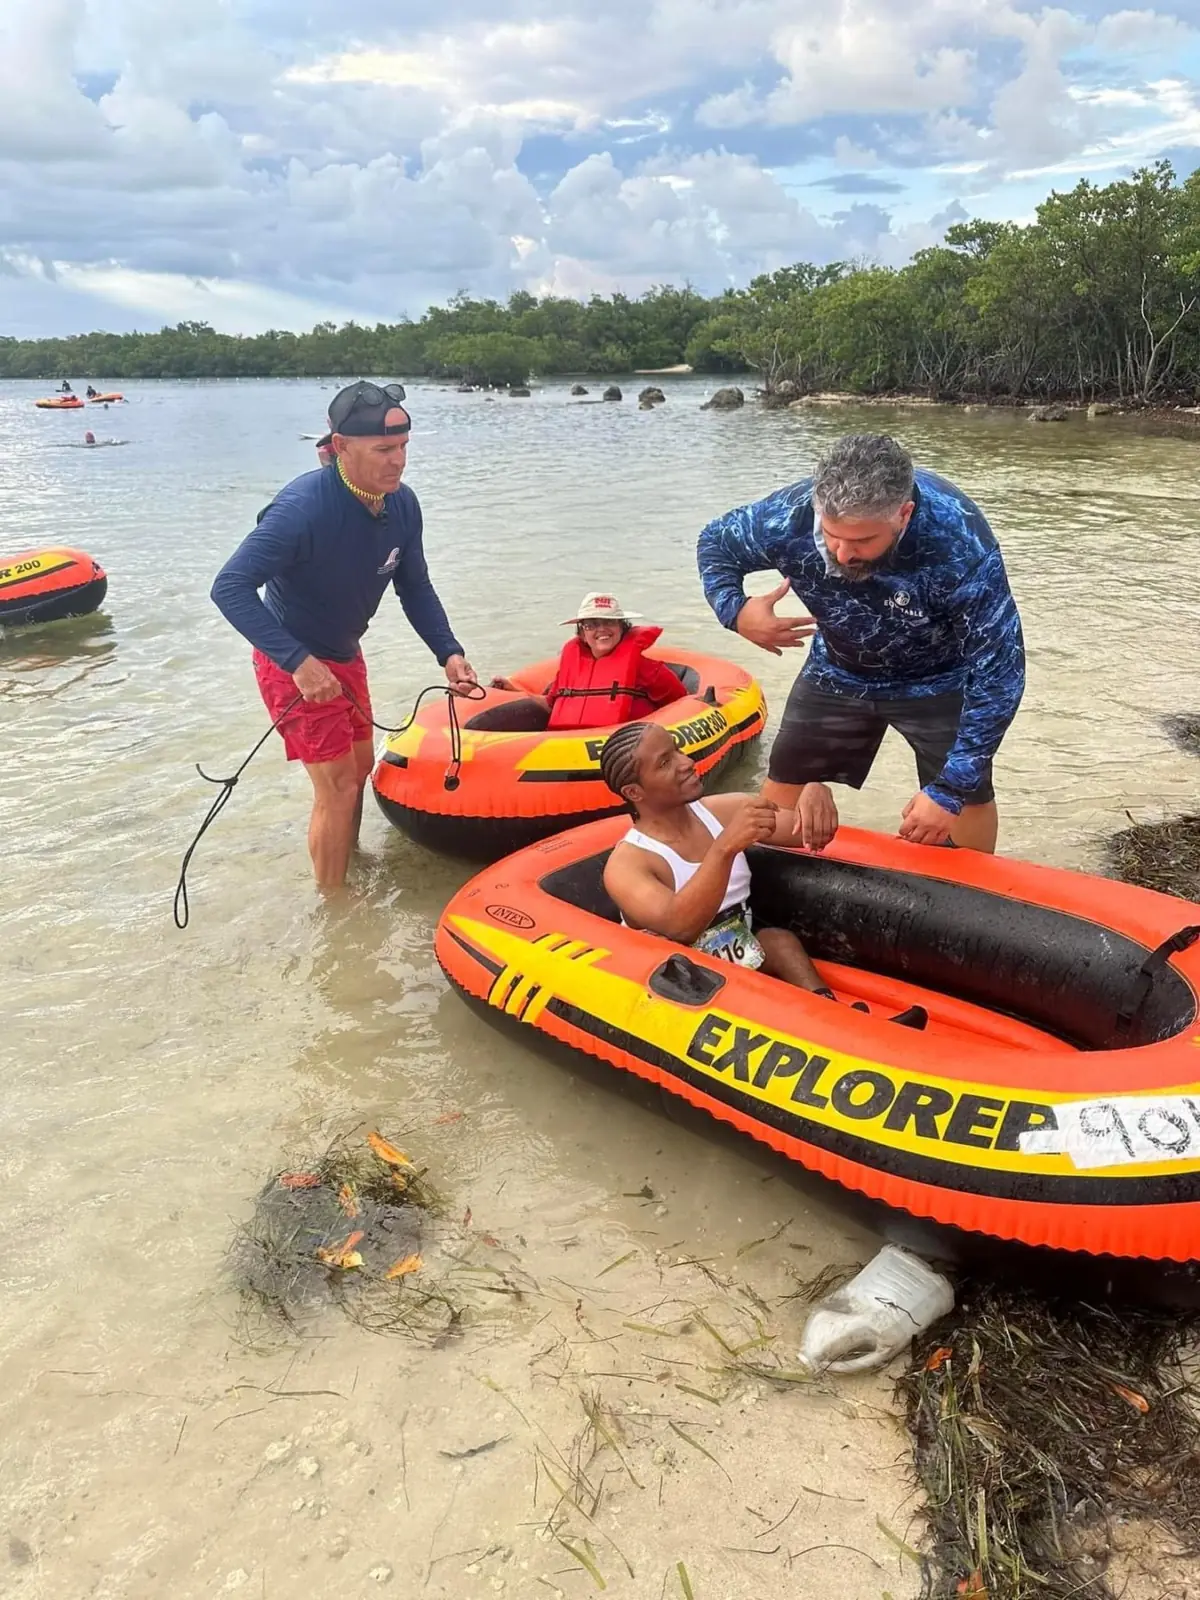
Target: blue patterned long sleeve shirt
x=935, y=617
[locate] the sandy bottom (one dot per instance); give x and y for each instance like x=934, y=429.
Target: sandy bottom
x=601, y=1423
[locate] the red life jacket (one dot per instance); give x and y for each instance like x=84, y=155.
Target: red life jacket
x=617, y=673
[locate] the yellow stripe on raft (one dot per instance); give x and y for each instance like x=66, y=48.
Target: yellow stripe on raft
x=869, y=1101
x=580, y=752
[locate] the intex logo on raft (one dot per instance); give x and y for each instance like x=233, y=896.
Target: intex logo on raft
x=510, y=917
x=978, y=1121
x=691, y=733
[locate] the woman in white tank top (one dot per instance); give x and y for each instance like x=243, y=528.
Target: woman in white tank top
x=706, y=903
x=738, y=892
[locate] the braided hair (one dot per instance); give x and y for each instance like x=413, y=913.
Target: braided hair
x=618, y=758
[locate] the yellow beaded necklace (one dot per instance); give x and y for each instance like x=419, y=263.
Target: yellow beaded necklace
x=363, y=494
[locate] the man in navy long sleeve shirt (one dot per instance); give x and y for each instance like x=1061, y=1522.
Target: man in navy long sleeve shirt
x=913, y=626
x=325, y=551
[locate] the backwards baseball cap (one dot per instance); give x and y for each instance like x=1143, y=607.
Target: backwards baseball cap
x=601, y=608
x=361, y=410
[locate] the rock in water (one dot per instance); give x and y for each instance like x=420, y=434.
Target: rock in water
x=1099, y=408
x=652, y=397
x=578, y=388
x=519, y=393
x=1049, y=414
x=613, y=393
x=725, y=400
x=787, y=390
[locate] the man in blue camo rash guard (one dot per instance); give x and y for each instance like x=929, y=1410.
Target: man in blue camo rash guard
x=913, y=627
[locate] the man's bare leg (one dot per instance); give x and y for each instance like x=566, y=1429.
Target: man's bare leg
x=364, y=761
x=337, y=795
x=977, y=828
x=787, y=959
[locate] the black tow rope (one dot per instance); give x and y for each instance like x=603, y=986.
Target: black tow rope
x=453, y=777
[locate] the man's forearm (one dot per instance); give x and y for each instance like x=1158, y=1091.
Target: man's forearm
x=721, y=571
x=987, y=715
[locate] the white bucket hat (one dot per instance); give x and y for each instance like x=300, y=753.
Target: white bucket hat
x=601, y=608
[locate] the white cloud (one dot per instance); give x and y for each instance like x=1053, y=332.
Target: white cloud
x=225, y=304
x=43, y=117
x=371, y=163
x=1135, y=32
x=848, y=154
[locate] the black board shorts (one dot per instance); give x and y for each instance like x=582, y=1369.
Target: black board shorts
x=834, y=738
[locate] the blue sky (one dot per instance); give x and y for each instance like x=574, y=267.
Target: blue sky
x=258, y=163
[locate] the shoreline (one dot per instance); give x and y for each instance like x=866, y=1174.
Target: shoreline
x=1185, y=417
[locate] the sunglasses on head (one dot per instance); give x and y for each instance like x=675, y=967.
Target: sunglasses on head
x=366, y=394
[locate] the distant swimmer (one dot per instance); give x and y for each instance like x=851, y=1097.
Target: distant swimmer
x=90, y=442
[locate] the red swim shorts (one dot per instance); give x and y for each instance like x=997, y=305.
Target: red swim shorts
x=315, y=733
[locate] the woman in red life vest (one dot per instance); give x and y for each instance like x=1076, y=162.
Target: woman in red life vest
x=603, y=675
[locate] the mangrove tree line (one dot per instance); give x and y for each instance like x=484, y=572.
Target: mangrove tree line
x=1098, y=297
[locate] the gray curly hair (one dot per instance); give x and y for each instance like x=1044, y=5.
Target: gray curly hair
x=863, y=475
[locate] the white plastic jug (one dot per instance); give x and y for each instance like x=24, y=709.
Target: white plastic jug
x=870, y=1319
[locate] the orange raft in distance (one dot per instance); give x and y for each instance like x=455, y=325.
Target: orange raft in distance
x=519, y=782
x=47, y=585
x=1054, y=1098
x=65, y=402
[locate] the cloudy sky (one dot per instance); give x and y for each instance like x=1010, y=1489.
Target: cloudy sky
x=258, y=163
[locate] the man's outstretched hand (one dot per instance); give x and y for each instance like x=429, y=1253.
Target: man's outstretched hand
x=757, y=622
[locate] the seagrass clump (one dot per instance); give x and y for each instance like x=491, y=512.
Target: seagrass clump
x=343, y=1227
x=1043, y=1431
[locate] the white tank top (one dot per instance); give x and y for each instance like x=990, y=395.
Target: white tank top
x=683, y=871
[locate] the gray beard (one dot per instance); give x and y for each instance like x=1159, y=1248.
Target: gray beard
x=858, y=573
x=861, y=570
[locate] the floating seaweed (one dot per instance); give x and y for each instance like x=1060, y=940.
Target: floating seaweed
x=1159, y=855
x=1041, y=1429
x=346, y=1226
x=1163, y=855
x=1183, y=730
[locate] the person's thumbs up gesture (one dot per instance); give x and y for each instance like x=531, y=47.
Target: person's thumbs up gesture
x=757, y=622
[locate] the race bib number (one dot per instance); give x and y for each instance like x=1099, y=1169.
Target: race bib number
x=732, y=940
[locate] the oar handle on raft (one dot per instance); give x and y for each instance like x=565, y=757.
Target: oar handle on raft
x=182, y=910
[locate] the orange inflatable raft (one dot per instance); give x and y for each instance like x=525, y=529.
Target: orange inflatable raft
x=104, y=399
x=518, y=782
x=66, y=402
x=47, y=585
x=1053, y=1099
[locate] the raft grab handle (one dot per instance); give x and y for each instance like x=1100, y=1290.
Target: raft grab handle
x=1143, y=981
x=687, y=983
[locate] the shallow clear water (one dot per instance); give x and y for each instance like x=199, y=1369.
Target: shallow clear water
x=153, y=1079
